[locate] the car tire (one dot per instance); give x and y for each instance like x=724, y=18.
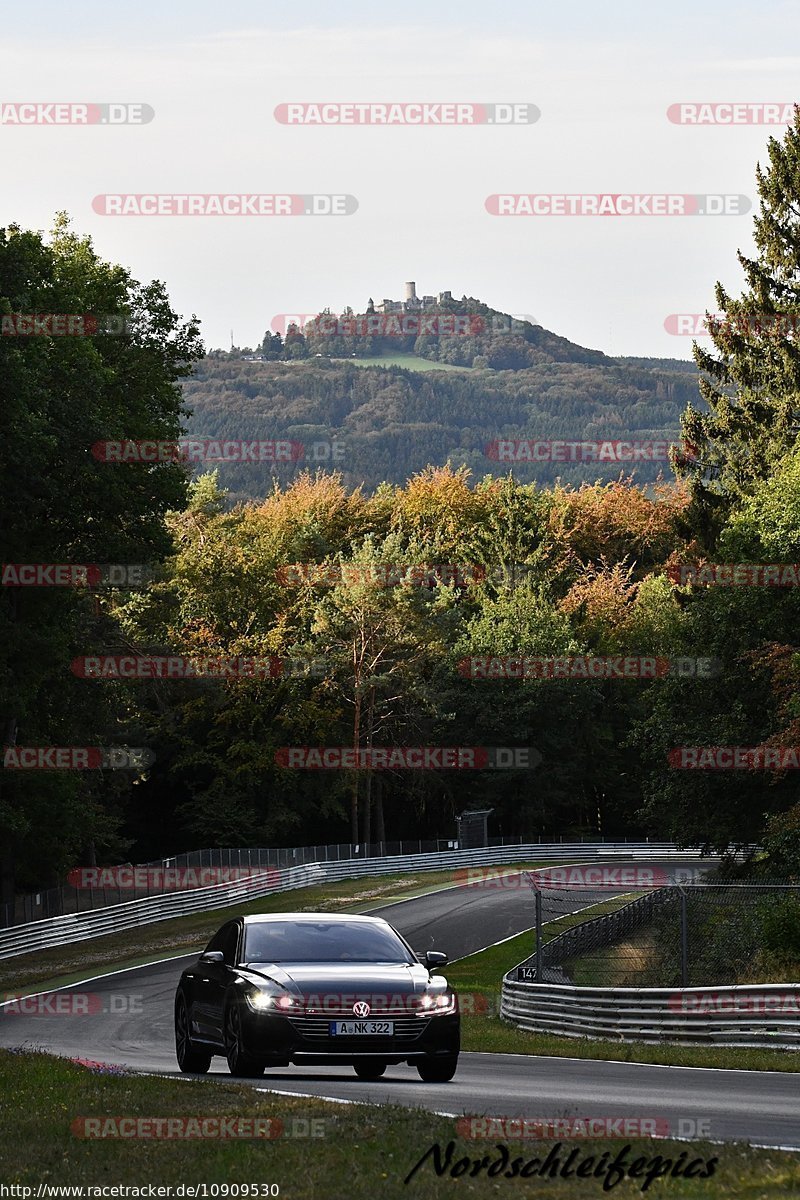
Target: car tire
x=239, y=1063
x=438, y=1070
x=369, y=1068
x=192, y=1060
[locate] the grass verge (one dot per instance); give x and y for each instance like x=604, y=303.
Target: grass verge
x=364, y=1150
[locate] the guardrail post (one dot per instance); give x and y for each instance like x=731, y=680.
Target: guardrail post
x=538, y=897
x=684, y=941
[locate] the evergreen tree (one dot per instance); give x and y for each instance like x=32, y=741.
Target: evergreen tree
x=751, y=380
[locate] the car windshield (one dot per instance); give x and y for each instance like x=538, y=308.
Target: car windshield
x=322, y=941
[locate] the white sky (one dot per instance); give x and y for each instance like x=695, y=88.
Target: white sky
x=602, y=75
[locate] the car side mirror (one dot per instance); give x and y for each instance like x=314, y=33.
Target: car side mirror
x=212, y=956
x=435, y=958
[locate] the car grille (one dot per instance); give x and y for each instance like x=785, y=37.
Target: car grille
x=315, y=1029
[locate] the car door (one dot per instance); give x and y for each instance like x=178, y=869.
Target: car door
x=205, y=984
x=219, y=976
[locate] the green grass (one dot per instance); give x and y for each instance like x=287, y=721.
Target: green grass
x=364, y=1151
x=411, y=362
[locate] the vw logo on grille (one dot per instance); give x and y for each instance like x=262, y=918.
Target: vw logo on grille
x=361, y=1009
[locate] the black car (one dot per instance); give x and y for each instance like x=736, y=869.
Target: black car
x=314, y=988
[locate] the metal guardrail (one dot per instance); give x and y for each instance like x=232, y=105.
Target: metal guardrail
x=66, y=897
x=79, y=927
x=76, y=927
x=763, y=1015
x=72, y=897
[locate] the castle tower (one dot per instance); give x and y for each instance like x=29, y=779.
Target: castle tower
x=411, y=291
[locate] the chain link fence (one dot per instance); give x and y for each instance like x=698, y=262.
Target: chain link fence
x=697, y=934
x=88, y=888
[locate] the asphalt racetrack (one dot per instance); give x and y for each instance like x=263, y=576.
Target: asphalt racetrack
x=126, y=1018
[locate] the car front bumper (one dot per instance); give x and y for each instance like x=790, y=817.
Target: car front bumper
x=306, y=1038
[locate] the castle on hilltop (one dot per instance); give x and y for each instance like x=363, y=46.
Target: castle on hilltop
x=412, y=303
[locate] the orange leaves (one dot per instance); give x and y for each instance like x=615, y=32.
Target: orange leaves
x=618, y=521
x=602, y=597
x=438, y=504
x=314, y=501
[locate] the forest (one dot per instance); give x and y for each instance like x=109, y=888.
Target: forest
x=390, y=422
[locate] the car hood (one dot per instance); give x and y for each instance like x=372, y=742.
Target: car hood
x=302, y=979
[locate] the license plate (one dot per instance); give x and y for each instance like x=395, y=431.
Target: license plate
x=356, y=1028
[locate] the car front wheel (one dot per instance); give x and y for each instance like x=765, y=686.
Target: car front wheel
x=239, y=1063
x=438, y=1070
x=191, y=1059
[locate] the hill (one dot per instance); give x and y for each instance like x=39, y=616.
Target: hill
x=389, y=421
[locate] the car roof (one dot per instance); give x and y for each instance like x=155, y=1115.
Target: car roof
x=313, y=917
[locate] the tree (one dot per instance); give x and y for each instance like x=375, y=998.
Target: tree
x=272, y=346
x=375, y=639
x=751, y=380
x=59, y=396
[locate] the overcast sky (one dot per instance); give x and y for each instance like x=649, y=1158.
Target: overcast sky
x=603, y=77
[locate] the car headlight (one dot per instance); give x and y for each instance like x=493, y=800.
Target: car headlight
x=437, y=1004
x=269, y=1001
